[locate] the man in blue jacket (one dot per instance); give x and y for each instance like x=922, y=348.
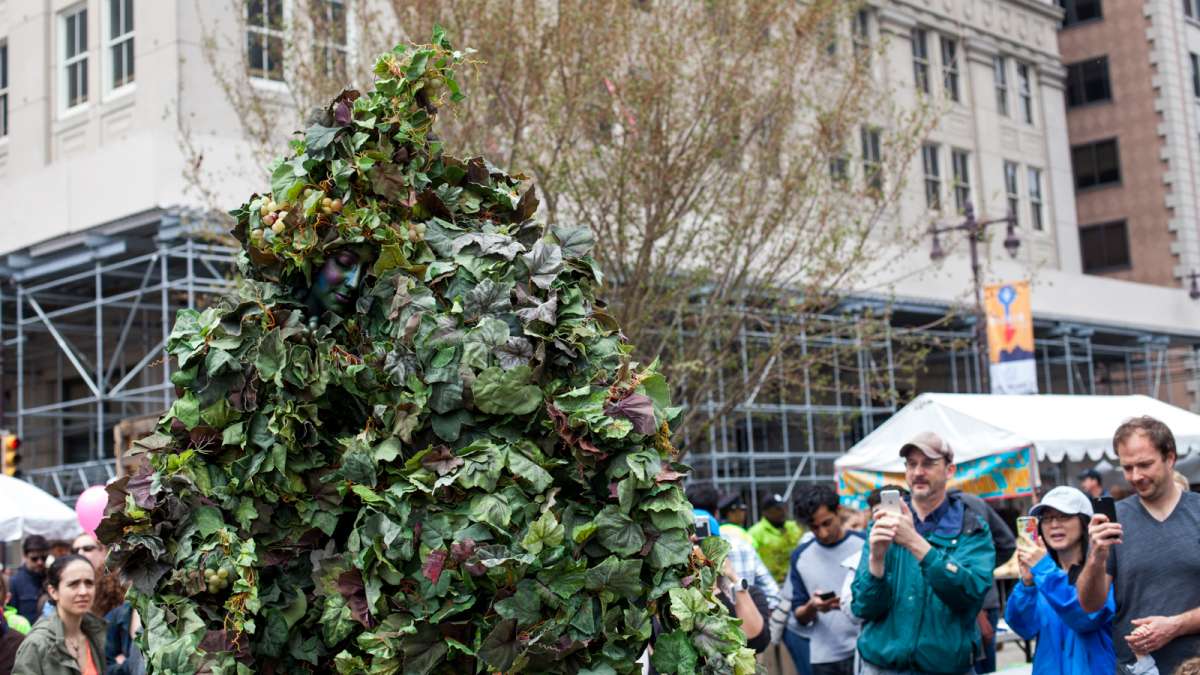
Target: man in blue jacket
x=26, y=583
x=919, y=597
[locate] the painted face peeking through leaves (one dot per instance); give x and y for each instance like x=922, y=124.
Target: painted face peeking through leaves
x=338, y=283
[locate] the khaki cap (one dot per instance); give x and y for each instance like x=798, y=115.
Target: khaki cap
x=931, y=444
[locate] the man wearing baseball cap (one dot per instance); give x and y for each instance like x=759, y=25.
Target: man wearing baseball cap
x=776, y=536
x=924, y=573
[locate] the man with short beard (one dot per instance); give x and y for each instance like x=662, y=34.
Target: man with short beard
x=924, y=573
x=1151, y=556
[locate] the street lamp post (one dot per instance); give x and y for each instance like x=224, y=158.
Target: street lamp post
x=974, y=230
x=1194, y=290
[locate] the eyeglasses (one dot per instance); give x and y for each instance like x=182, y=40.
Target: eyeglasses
x=87, y=548
x=37, y=558
x=1058, y=517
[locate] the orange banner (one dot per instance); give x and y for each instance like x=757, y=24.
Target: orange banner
x=1010, y=338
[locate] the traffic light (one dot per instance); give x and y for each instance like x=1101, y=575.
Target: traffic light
x=11, y=459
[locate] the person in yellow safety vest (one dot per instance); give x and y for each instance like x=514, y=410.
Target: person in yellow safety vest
x=731, y=511
x=776, y=536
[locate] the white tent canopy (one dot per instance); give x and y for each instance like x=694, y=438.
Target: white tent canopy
x=26, y=510
x=980, y=425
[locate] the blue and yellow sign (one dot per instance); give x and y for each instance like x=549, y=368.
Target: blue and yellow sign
x=1005, y=475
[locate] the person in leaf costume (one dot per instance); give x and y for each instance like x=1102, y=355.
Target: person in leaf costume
x=412, y=441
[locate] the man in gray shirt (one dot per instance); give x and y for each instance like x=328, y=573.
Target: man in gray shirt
x=1151, y=555
x=816, y=575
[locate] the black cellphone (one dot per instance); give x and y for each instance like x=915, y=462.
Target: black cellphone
x=702, y=528
x=1107, y=506
x=826, y=597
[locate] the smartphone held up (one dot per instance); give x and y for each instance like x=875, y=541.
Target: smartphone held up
x=1027, y=531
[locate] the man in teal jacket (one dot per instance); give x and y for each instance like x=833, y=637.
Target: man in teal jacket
x=924, y=573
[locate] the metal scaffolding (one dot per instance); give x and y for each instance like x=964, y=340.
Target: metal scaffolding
x=83, y=322
x=769, y=446
x=84, y=319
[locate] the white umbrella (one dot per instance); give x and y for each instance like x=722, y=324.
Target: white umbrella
x=26, y=510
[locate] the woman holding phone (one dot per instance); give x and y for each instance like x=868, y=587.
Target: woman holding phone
x=1045, y=604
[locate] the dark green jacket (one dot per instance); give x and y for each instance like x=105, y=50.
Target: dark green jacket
x=921, y=616
x=44, y=650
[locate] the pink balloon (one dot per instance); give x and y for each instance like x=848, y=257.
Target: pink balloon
x=89, y=508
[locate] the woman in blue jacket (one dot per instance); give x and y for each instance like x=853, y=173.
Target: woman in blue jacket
x=1045, y=605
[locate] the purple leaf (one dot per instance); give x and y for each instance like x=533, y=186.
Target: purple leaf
x=636, y=408
x=434, y=564
x=341, y=113
x=461, y=550
x=441, y=460
x=350, y=585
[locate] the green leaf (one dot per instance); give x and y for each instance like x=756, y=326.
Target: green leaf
x=544, y=533
x=500, y=392
x=388, y=450
x=208, y=520
x=488, y=297
x=618, y=532
x=390, y=258
x=234, y=434
x=544, y=263
x=187, y=410
x=686, y=605
x=575, y=242
x=671, y=548
x=499, y=650
x=524, y=606
x=673, y=654
x=317, y=138
x=622, y=577
x=491, y=509
x=527, y=470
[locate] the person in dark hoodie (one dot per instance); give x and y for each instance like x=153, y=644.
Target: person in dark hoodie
x=1006, y=545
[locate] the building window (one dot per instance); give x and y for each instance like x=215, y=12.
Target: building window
x=862, y=34
x=1034, y=176
x=75, y=65
x=331, y=45
x=1078, y=11
x=1189, y=8
x=1000, y=73
x=1105, y=247
x=3, y=89
x=920, y=52
x=1195, y=74
x=1087, y=82
x=872, y=154
x=933, y=176
x=1025, y=91
x=839, y=168
x=960, y=164
x=1096, y=164
x=829, y=41
x=120, y=43
x=950, y=67
x=1011, y=191
x=264, y=39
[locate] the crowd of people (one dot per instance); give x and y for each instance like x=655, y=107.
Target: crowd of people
x=904, y=587
x=65, y=613
x=909, y=586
